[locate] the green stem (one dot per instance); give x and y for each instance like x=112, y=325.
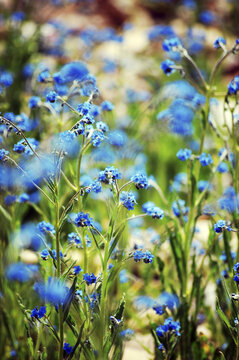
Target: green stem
x=188, y=57
x=38, y=341
x=60, y=312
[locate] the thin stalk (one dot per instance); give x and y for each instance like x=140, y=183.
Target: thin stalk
x=60, y=312
x=24, y=172
x=218, y=63
x=38, y=341
x=188, y=57
x=19, y=131
x=73, y=187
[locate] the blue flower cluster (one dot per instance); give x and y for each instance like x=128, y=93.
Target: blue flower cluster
x=53, y=291
x=74, y=238
x=140, y=180
x=89, y=278
x=220, y=226
x=150, y=209
x=83, y=219
x=67, y=348
x=45, y=228
x=184, y=154
x=179, y=208
x=146, y=256
x=127, y=334
x=109, y=175
x=38, y=314
x=233, y=86
x=205, y=159
x=169, y=328
x=168, y=67
x=128, y=199
x=236, y=272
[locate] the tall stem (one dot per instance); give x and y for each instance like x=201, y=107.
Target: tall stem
x=60, y=312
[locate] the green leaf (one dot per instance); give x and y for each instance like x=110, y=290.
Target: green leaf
x=225, y=320
x=68, y=301
x=78, y=342
x=119, y=312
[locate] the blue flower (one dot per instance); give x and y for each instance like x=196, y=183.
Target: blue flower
x=222, y=167
x=23, y=198
x=219, y=226
x=83, y=219
x=168, y=300
x=96, y=138
x=70, y=72
x=203, y=184
x=34, y=102
x=3, y=154
x=159, y=309
x=96, y=186
x=22, y=147
x=117, y=138
x=10, y=200
x=224, y=274
x=43, y=76
x=205, y=159
x=123, y=276
x=55, y=254
x=100, y=125
x=107, y=106
x=45, y=227
x=128, y=199
x=223, y=257
x=67, y=348
x=219, y=42
x=89, y=278
x=147, y=205
x=207, y=17
x=77, y=269
x=169, y=328
x=84, y=108
x=168, y=67
x=38, y=314
x=236, y=268
x=179, y=208
x=184, y=154
x=6, y=78
x=53, y=291
x=171, y=44
x=155, y=212
x=157, y=32
x=51, y=96
x=140, y=180
x=73, y=237
x=28, y=70
x=109, y=175
x=138, y=255
x=236, y=278
x=148, y=257
x=19, y=271
x=127, y=334
x=44, y=254
x=180, y=117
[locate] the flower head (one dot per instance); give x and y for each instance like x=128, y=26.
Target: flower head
x=89, y=278
x=205, y=159
x=219, y=42
x=38, y=314
x=83, y=219
x=128, y=200
x=168, y=66
x=140, y=180
x=184, y=154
